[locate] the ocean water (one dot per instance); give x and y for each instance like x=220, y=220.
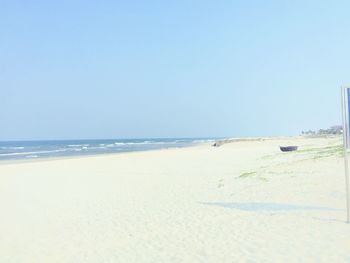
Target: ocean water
x=14, y=150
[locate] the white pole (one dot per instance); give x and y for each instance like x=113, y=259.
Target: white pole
x=346, y=143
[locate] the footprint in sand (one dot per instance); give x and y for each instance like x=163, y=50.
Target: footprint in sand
x=221, y=183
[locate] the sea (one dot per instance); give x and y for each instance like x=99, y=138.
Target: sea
x=26, y=150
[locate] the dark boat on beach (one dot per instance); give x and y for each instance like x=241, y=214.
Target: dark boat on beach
x=288, y=148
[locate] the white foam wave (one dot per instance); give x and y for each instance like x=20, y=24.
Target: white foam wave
x=147, y=142
x=119, y=143
x=32, y=153
x=203, y=141
x=12, y=147
x=32, y=156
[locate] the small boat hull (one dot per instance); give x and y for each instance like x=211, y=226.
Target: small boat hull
x=288, y=148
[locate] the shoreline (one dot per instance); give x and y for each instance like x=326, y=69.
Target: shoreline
x=211, y=144
x=85, y=156
x=216, y=144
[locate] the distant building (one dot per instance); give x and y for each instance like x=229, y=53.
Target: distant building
x=333, y=130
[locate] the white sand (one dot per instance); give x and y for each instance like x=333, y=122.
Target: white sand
x=178, y=205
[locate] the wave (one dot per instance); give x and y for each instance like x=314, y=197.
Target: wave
x=12, y=147
x=40, y=149
x=32, y=156
x=30, y=153
x=148, y=142
x=203, y=141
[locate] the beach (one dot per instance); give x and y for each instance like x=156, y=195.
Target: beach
x=244, y=201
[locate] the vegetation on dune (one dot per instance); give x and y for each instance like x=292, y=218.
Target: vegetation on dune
x=323, y=152
x=335, y=150
x=253, y=174
x=247, y=174
x=304, y=154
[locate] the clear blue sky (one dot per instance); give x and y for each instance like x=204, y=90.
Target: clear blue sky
x=126, y=69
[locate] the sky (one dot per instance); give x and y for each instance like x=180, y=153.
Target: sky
x=142, y=69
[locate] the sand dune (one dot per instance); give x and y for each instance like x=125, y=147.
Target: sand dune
x=242, y=202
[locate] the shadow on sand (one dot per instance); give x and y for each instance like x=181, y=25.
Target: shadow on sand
x=267, y=207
